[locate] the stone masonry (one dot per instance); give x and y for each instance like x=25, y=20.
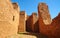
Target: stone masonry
x=22, y=22
x=44, y=16
x=44, y=13
x=16, y=7
x=9, y=19
x=12, y=21
x=34, y=20
x=30, y=23
x=16, y=15
x=52, y=27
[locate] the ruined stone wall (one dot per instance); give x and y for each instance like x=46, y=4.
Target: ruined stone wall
x=16, y=7
x=36, y=27
x=44, y=13
x=9, y=18
x=22, y=22
x=34, y=19
x=44, y=18
x=16, y=15
x=55, y=27
x=31, y=22
x=51, y=30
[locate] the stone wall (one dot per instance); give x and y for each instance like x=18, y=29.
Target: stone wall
x=31, y=22
x=9, y=18
x=15, y=6
x=55, y=27
x=36, y=27
x=52, y=27
x=34, y=19
x=22, y=22
x=44, y=17
x=44, y=13
x=16, y=15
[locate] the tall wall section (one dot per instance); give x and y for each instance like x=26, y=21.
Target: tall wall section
x=22, y=22
x=44, y=18
x=9, y=19
x=31, y=22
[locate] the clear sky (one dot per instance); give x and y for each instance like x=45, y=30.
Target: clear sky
x=30, y=6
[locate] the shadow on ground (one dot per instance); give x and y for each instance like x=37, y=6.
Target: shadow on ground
x=35, y=34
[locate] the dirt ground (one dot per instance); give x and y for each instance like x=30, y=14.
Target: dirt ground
x=28, y=35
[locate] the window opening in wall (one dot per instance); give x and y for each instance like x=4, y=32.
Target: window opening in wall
x=13, y=18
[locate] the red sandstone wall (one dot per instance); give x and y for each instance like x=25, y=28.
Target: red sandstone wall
x=36, y=27
x=32, y=23
x=29, y=22
x=55, y=30
x=51, y=30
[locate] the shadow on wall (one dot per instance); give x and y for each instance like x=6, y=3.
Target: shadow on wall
x=28, y=24
x=36, y=27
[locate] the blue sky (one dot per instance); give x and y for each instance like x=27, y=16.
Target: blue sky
x=30, y=6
